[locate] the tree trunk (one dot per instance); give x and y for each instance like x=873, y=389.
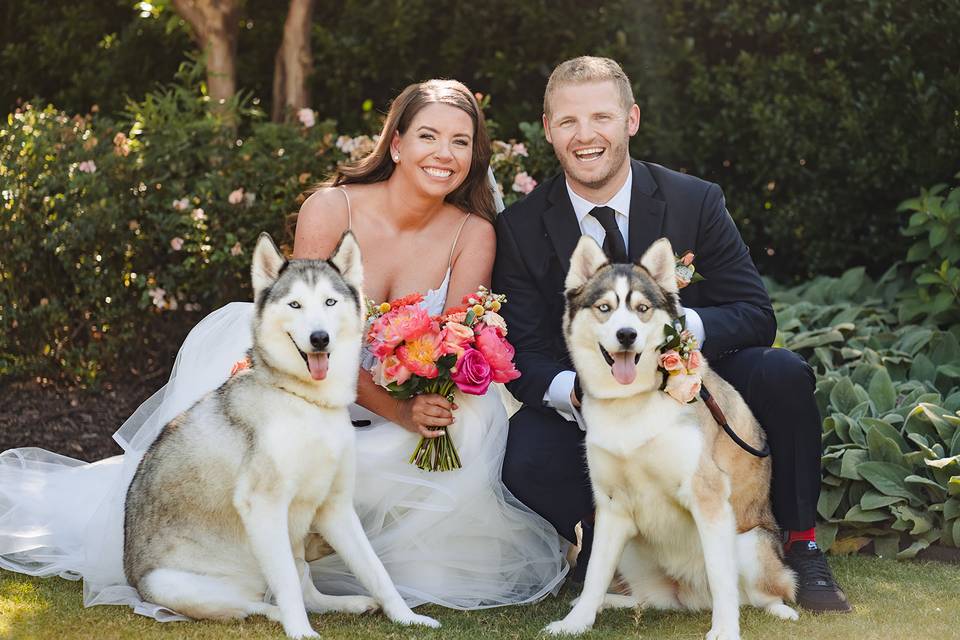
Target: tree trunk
x=293, y=63
x=215, y=25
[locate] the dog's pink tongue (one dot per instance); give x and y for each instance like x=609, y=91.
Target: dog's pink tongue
x=624, y=367
x=318, y=363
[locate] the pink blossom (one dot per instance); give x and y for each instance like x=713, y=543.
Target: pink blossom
x=522, y=183
x=182, y=204
x=198, y=214
x=176, y=243
x=399, y=325
x=158, y=295
x=670, y=360
x=473, y=374
x=394, y=371
x=499, y=354
x=694, y=361
x=683, y=387
x=420, y=355
x=520, y=149
x=236, y=196
x=454, y=338
x=236, y=250
x=87, y=166
x=306, y=117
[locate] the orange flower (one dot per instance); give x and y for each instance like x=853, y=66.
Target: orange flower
x=420, y=356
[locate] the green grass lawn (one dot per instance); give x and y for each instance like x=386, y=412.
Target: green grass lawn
x=892, y=601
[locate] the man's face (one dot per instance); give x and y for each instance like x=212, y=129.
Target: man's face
x=590, y=130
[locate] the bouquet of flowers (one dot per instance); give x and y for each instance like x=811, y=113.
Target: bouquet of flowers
x=679, y=362
x=464, y=348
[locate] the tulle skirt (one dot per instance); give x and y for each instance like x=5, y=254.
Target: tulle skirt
x=456, y=538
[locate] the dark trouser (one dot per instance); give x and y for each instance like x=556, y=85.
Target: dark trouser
x=545, y=467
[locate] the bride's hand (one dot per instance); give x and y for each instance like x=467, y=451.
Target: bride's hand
x=422, y=414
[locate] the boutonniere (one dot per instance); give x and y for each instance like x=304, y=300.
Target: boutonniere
x=686, y=271
x=680, y=361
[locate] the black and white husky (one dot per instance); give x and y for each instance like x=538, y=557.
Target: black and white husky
x=221, y=505
x=681, y=510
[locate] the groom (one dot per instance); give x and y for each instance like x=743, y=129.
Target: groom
x=589, y=115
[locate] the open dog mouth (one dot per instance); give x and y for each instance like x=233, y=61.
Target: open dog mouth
x=317, y=361
x=623, y=364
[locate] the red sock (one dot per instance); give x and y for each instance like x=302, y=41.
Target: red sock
x=810, y=535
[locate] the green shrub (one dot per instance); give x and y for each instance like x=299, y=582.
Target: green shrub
x=889, y=396
x=816, y=118
x=936, y=220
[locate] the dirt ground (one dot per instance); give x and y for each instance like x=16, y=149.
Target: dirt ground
x=70, y=421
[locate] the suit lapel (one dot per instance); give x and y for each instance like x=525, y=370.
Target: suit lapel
x=646, y=212
x=561, y=223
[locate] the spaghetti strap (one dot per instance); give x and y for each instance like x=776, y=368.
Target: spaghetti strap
x=455, y=238
x=350, y=212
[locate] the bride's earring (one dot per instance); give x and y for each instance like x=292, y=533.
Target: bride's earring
x=396, y=157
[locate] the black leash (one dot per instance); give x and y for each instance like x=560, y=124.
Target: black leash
x=722, y=421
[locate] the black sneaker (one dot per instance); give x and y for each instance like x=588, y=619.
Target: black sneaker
x=817, y=591
x=579, y=573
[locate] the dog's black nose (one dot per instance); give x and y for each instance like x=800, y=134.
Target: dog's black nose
x=319, y=339
x=627, y=336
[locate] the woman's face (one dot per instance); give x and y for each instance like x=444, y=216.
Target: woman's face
x=436, y=150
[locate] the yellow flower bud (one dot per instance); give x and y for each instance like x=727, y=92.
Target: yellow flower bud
x=495, y=306
x=384, y=307
x=478, y=310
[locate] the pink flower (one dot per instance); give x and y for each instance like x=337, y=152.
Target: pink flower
x=236, y=250
x=158, y=295
x=394, y=371
x=306, y=117
x=499, y=354
x=87, y=166
x=520, y=149
x=182, y=204
x=694, y=361
x=399, y=325
x=670, y=361
x=495, y=320
x=683, y=387
x=176, y=243
x=523, y=183
x=454, y=338
x=198, y=214
x=236, y=196
x=420, y=355
x=473, y=373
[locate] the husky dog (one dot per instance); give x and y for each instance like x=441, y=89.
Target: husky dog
x=681, y=510
x=221, y=504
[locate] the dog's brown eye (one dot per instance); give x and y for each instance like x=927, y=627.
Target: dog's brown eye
x=643, y=308
x=294, y=305
x=603, y=308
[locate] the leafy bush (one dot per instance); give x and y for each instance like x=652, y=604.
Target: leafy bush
x=120, y=234
x=936, y=219
x=890, y=401
x=816, y=118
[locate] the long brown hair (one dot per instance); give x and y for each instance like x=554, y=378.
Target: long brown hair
x=474, y=194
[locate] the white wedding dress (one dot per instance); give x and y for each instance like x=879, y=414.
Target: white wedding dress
x=456, y=538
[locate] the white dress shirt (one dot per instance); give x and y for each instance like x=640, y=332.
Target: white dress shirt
x=558, y=394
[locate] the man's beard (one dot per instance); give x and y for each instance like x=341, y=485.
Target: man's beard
x=618, y=151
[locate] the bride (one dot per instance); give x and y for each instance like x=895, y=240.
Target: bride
x=420, y=207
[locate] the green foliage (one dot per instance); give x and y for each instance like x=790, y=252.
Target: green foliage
x=936, y=220
x=816, y=118
x=889, y=395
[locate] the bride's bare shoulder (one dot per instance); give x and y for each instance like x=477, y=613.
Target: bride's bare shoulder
x=320, y=223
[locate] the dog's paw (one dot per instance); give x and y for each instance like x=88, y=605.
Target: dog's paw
x=782, y=611
x=355, y=604
x=298, y=631
x=722, y=633
x=567, y=628
x=408, y=618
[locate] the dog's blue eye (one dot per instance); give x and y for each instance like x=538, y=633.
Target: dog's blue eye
x=294, y=305
x=331, y=302
x=603, y=308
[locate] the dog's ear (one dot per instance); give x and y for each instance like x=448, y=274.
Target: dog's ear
x=587, y=258
x=661, y=264
x=267, y=264
x=346, y=259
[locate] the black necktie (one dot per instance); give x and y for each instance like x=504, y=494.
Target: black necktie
x=613, y=244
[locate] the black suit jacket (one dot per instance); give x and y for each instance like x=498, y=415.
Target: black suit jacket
x=537, y=235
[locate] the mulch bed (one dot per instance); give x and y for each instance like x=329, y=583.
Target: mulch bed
x=74, y=422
